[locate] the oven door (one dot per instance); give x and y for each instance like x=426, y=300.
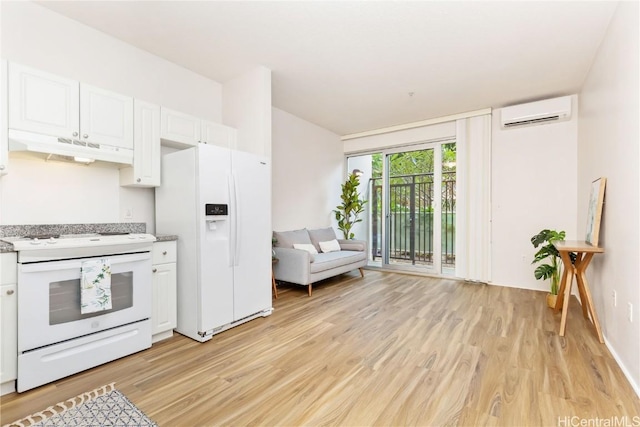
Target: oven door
x=49, y=299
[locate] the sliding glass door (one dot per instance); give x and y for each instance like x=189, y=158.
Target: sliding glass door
x=410, y=209
x=410, y=217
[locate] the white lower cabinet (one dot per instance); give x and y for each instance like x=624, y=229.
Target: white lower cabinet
x=8, y=323
x=164, y=306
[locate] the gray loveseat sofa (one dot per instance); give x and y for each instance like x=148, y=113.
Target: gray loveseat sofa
x=302, y=267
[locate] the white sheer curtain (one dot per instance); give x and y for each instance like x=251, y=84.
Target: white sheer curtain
x=473, y=209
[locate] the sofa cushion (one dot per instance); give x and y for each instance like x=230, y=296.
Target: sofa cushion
x=321, y=235
x=352, y=245
x=330, y=246
x=329, y=260
x=306, y=247
x=286, y=239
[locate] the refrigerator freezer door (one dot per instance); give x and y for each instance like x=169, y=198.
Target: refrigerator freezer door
x=252, y=222
x=216, y=270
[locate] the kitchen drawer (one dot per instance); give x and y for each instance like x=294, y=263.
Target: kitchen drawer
x=8, y=268
x=164, y=252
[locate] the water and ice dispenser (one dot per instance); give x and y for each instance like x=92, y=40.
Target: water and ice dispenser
x=215, y=212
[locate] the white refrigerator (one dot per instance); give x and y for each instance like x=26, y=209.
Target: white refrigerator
x=218, y=202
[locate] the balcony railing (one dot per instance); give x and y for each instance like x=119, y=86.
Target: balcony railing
x=411, y=218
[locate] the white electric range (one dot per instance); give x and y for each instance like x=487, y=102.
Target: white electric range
x=54, y=338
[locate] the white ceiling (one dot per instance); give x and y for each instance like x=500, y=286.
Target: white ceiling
x=349, y=66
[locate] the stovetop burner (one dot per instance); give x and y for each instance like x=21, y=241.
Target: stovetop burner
x=41, y=236
x=77, y=241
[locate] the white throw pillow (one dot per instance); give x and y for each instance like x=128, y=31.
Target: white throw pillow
x=306, y=247
x=330, y=246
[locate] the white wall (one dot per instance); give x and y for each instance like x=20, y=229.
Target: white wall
x=608, y=139
x=307, y=170
x=247, y=107
x=66, y=193
x=534, y=172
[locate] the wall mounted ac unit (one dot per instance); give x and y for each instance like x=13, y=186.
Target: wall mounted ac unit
x=539, y=112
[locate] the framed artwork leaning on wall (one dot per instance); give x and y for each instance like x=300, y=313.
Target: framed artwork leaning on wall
x=594, y=214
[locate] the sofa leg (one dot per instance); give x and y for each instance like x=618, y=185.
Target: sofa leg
x=361, y=272
x=309, y=287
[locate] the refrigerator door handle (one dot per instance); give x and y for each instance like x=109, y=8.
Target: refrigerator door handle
x=232, y=220
x=236, y=220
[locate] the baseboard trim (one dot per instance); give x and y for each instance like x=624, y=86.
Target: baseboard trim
x=624, y=369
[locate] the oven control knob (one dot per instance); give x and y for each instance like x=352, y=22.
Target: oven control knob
x=35, y=241
x=52, y=241
x=131, y=236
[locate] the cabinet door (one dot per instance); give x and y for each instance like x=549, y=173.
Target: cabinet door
x=164, y=307
x=217, y=134
x=43, y=103
x=4, y=124
x=179, y=129
x=105, y=117
x=145, y=171
x=8, y=333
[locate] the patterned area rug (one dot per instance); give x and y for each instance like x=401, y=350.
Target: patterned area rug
x=104, y=406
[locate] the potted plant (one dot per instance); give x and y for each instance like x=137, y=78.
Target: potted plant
x=348, y=212
x=553, y=269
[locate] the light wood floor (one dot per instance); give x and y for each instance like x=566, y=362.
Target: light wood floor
x=388, y=349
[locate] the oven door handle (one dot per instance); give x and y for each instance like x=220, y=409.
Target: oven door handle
x=77, y=263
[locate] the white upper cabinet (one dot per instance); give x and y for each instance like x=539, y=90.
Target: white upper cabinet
x=106, y=117
x=145, y=171
x=182, y=131
x=4, y=104
x=43, y=103
x=179, y=129
x=51, y=105
x=217, y=134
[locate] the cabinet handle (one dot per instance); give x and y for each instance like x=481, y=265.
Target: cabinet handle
x=154, y=270
x=138, y=180
x=10, y=292
x=75, y=134
x=1, y=167
x=164, y=252
x=85, y=136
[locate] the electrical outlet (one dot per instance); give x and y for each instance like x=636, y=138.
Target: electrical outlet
x=614, y=298
x=630, y=312
x=128, y=213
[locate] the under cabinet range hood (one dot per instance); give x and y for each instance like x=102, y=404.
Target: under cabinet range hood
x=38, y=143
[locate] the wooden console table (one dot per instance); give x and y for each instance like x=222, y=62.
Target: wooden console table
x=584, y=253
